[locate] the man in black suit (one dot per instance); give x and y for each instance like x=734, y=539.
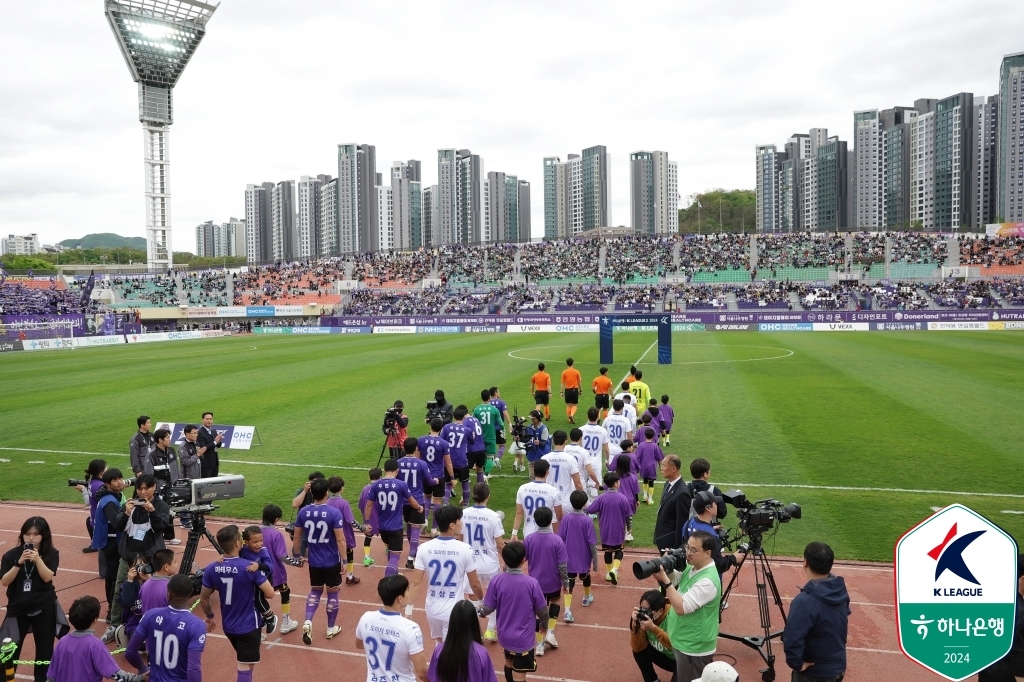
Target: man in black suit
x=674, y=509
x=208, y=443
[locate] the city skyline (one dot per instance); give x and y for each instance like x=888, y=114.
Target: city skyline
x=704, y=88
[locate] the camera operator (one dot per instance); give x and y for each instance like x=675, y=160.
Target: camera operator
x=705, y=506
x=395, y=426
x=700, y=470
x=536, y=438
x=815, y=635
x=141, y=524
x=649, y=641
x=105, y=536
x=693, y=622
x=443, y=409
x=140, y=445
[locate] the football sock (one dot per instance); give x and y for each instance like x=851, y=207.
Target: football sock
x=488, y=465
x=492, y=621
x=392, y=567
x=501, y=451
x=572, y=584
x=447, y=492
x=313, y=601
x=350, y=566
x=465, y=490
x=552, y=622
x=414, y=540
x=617, y=562
x=244, y=676
x=568, y=600
x=508, y=674
x=540, y=634
x=608, y=559
x=586, y=590
x=428, y=501
x=366, y=545
x=479, y=475
x=332, y=608
x=547, y=411
x=286, y=606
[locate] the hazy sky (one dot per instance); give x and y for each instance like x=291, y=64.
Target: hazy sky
x=275, y=86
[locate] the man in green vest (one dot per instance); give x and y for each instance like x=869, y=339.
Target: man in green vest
x=692, y=622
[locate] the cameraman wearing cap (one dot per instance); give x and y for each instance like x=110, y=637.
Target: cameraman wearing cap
x=443, y=410
x=395, y=426
x=650, y=643
x=705, y=506
x=536, y=438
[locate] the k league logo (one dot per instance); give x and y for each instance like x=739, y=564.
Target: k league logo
x=956, y=589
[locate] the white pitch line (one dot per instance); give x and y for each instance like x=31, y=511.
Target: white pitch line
x=1012, y=511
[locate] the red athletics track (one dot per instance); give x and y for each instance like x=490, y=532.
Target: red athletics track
x=593, y=649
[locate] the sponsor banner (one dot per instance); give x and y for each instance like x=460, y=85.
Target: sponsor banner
x=213, y=333
x=259, y=311
x=785, y=327
x=287, y=310
x=235, y=437
x=638, y=328
x=47, y=344
x=89, y=341
x=163, y=336
x=898, y=326
x=532, y=328
x=727, y=327
x=449, y=329
x=202, y=312
x=1005, y=230
x=1013, y=325
x=352, y=330
x=841, y=326
x=688, y=327
x=293, y=330
x=394, y=330
x=10, y=346
x=947, y=326
x=231, y=311
x=484, y=328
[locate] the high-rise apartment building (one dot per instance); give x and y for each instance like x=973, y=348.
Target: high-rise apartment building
x=431, y=217
x=258, y=223
x=577, y=193
x=868, y=147
x=327, y=239
x=385, y=209
x=525, y=209
x=407, y=199
x=27, y=245
x=653, y=193
x=358, y=221
x=460, y=196
x=218, y=241
x=445, y=199
x=790, y=191
x=833, y=186
x=895, y=173
x=922, y=170
x=504, y=204
x=954, y=161
x=769, y=163
x=308, y=228
x=1010, y=150
x=986, y=171
x=282, y=221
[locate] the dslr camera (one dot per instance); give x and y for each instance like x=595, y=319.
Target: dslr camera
x=391, y=417
x=518, y=426
x=72, y=482
x=672, y=560
x=755, y=518
x=643, y=613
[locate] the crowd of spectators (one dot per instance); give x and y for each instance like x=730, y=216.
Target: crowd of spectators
x=835, y=297
x=644, y=298
x=868, y=248
x=990, y=251
x=1012, y=291
x=28, y=298
x=962, y=295
x=284, y=283
x=569, y=258
x=918, y=248
x=901, y=296
x=800, y=250
x=466, y=302
x=523, y=298
x=157, y=290
x=404, y=267
x=208, y=288
x=461, y=263
x=697, y=297
x=501, y=262
x=764, y=295
x=394, y=302
x=638, y=256
x=584, y=297
x=711, y=252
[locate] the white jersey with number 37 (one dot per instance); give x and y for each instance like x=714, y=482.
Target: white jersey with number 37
x=389, y=641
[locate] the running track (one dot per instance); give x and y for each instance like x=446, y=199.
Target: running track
x=594, y=648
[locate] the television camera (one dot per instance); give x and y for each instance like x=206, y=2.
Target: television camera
x=756, y=518
x=192, y=499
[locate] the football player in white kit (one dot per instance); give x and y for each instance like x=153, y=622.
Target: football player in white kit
x=564, y=472
x=619, y=428
x=533, y=495
x=483, y=531
x=393, y=644
x=596, y=443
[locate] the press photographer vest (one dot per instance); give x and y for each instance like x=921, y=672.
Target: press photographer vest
x=696, y=633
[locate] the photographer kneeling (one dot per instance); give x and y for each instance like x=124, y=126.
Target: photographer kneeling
x=650, y=643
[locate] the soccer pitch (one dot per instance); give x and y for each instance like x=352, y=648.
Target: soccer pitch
x=822, y=419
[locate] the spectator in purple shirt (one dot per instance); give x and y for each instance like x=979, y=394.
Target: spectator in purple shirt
x=462, y=655
x=520, y=604
x=81, y=656
x=548, y=563
x=369, y=522
x=629, y=487
x=667, y=415
x=336, y=486
x=613, y=510
x=577, y=532
x=274, y=543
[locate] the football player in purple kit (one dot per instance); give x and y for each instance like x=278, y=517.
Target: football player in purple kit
x=476, y=451
x=548, y=563
x=336, y=485
x=236, y=586
x=500, y=439
x=667, y=415
x=519, y=602
x=613, y=510
x=174, y=638
x=434, y=451
x=416, y=474
x=385, y=498
x=369, y=522
x=577, y=532
x=458, y=435
x=324, y=530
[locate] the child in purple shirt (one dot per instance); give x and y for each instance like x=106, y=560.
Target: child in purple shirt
x=629, y=487
x=648, y=454
x=336, y=484
x=81, y=656
x=548, y=563
x=520, y=604
x=577, y=532
x=667, y=416
x=374, y=475
x=274, y=543
x=613, y=510
x=253, y=551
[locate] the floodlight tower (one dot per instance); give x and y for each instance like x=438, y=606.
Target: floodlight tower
x=157, y=38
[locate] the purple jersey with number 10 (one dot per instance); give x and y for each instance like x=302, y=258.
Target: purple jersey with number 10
x=416, y=474
x=173, y=639
x=458, y=436
x=236, y=586
x=432, y=450
x=318, y=522
x=388, y=496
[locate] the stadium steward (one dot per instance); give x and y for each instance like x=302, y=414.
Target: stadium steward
x=814, y=638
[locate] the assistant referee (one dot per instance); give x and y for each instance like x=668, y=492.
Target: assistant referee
x=571, y=381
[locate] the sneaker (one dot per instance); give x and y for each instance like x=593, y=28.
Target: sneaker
x=289, y=626
x=108, y=634
x=351, y=580
x=307, y=632
x=332, y=632
x=608, y=577
x=629, y=537
x=464, y=503
x=568, y=616
x=539, y=651
x=613, y=575
x=650, y=501
x=588, y=600
x=293, y=561
x=271, y=624
x=175, y=541
x=571, y=420
x=263, y=636
x=550, y=641
x=368, y=561
x=409, y=563
x=725, y=605
x=497, y=463
x=89, y=550
x=491, y=636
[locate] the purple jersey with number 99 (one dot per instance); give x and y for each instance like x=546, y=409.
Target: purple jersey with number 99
x=389, y=496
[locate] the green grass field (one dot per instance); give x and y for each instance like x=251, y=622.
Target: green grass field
x=935, y=411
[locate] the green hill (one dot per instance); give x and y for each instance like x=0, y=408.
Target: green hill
x=720, y=211
x=105, y=240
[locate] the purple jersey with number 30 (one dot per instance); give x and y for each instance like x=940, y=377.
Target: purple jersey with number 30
x=388, y=496
x=318, y=523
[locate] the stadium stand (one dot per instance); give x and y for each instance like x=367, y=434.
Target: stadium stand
x=901, y=296
x=700, y=298
x=962, y=295
x=584, y=297
x=998, y=256
x=41, y=297
x=637, y=258
x=401, y=267
x=207, y=288
x=715, y=253
x=571, y=260
x=799, y=251
x=763, y=295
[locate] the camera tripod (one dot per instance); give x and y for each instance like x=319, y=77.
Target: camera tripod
x=764, y=581
x=389, y=431
x=197, y=530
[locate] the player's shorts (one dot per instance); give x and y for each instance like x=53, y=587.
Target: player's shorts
x=412, y=516
x=393, y=539
x=499, y=438
x=461, y=473
x=649, y=481
x=285, y=592
x=521, y=661
x=572, y=396
x=321, y=575
x=611, y=548
x=247, y=646
x=486, y=578
x=476, y=459
x=492, y=448
x=602, y=401
x=436, y=490
x=438, y=627
x=541, y=397
x=553, y=596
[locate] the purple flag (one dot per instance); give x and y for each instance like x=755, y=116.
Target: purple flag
x=87, y=289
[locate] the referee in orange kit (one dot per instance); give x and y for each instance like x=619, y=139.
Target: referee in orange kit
x=540, y=386
x=571, y=381
x=602, y=387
